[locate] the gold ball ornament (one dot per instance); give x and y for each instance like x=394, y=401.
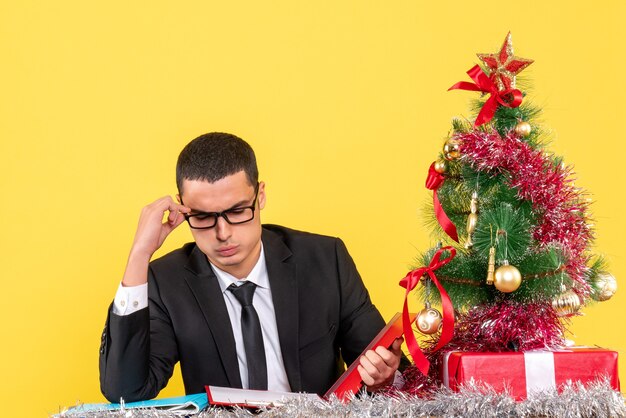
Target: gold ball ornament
x=507, y=278
x=523, y=129
x=429, y=320
x=605, y=286
x=566, y=304
x=440, y=166
x=452, y=149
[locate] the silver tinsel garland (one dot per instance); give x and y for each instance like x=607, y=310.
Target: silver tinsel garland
x=574, y=401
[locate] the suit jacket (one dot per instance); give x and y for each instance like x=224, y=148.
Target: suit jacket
x=323, y=312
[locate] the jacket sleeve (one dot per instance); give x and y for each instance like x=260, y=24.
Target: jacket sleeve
x=360, y=321
x=138, y=351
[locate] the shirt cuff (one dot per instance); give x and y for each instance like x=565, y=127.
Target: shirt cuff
x=398, y=380
x=130, y=299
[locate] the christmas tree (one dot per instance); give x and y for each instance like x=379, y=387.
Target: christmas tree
x=513, y=260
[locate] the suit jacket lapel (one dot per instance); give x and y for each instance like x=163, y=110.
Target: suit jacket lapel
x=208, y=294
x=284, y=285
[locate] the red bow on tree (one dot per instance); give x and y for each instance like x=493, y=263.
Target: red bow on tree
x=508, y=97
x=434, y=181
x=411, y=280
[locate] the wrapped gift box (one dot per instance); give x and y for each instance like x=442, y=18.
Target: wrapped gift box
x=524, y=373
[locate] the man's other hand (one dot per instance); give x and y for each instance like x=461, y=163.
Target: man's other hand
x=378, y=367
x=151, y=233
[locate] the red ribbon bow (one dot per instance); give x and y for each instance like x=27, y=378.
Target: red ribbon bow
x=409, y=283
x=433, y=182
x=508, y=98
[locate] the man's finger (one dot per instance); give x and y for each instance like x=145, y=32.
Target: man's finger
x=175, y=210
x=167, y=203
x=365, y=376
x=396, y=347
x=377, y=360
x=179, y=218
x=369, y=367
x=172, y=216
x=177, y=207
x=182, y=208
x=390, y=358
x=173, y=221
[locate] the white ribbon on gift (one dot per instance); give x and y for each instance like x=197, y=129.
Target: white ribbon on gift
x=540, y=375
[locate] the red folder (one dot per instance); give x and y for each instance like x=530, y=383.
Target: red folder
x=350, y=381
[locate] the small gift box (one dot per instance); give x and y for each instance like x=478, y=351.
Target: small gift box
x=521, y=374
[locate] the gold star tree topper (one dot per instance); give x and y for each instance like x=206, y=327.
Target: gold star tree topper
x=503, y=66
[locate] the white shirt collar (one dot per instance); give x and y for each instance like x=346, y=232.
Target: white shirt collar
x=258, y=275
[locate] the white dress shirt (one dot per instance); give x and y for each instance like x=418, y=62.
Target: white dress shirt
x=131, y=299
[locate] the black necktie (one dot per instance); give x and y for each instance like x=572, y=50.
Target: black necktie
x=252, y=336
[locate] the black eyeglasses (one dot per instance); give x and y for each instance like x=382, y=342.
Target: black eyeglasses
x=234, y=216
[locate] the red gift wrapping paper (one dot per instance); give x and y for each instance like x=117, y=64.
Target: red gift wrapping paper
x=524, y=373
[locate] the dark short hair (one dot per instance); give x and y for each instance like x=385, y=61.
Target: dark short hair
x=213, y=156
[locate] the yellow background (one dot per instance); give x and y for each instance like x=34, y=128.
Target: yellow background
x=345, y=103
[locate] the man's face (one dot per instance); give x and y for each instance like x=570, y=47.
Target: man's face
x=232, y=248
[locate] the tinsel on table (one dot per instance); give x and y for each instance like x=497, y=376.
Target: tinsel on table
x=575, y=401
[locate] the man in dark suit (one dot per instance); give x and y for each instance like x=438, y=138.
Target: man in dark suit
x=245, y=305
